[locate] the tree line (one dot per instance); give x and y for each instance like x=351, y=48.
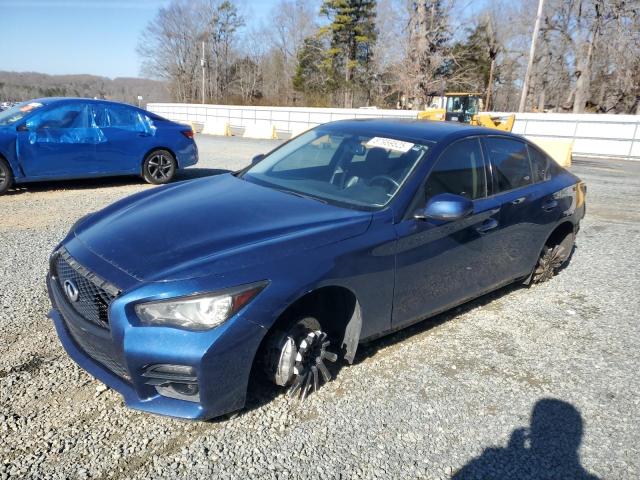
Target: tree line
x=15, y=86
x=399, y=53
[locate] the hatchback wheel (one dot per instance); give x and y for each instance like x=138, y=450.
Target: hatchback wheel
x=6, y=177
x=296, y=357
x=159, y=167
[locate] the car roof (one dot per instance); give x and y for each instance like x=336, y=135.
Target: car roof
x=415, y=129
x=52, y=100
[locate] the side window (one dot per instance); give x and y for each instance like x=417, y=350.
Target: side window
x=510, y=161
x=100, y=116
x=70, y=123
x=539, y=164
x=459, y=170
x=125, y=118
x=73, y=115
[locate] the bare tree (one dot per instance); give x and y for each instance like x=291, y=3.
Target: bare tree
x=428, y=35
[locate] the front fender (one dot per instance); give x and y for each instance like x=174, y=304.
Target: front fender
x=8, y=151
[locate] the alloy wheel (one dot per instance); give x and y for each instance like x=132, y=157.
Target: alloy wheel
x=310, y=364
x=550, y=261
x=160, y=167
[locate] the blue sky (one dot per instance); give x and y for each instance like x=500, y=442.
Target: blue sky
x=82, y=36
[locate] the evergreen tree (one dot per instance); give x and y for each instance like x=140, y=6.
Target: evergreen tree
x=312, y=78
x=472, y=64
x=352, y=36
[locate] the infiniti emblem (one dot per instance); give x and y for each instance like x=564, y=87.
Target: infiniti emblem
x=71, y=290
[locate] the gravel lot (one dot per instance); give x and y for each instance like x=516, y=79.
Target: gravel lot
x=524, y=383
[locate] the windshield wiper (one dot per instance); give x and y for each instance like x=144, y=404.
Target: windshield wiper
x=302, y=195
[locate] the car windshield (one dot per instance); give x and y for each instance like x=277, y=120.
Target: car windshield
x=18, y=112
x=349, y=169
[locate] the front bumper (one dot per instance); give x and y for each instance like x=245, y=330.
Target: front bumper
x=222, y=359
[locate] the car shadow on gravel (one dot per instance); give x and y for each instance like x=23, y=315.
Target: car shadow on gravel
x=108, y=182
x=547, y=449
x=369, y=349
x=197, y=172
x=81, y=184
x=261, y=391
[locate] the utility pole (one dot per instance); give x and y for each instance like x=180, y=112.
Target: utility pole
x=202, y=65
x=532, y=51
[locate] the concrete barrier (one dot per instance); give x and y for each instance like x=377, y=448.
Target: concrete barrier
x=260, y=130
x=559, y=150
x=299, y=129
x=216, y=127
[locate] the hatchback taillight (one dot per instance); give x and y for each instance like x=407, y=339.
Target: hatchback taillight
x=188, y=133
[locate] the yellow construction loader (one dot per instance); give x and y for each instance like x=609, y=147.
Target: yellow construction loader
x=465, y=107
x=468, y=108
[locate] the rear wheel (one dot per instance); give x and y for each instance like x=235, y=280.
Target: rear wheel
x=159, y=167
x=6, y=176
x=552, y=259
x=296, y=356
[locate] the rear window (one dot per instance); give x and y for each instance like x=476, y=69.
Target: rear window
x=122, y=117
x=539, y=164
x=510, y=160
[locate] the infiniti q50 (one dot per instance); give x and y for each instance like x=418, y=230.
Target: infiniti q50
x=178, y=295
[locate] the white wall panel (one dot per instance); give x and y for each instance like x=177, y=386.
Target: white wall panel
x=609, y=135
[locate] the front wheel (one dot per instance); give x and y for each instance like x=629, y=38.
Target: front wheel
x=296, y=357
x=6, y=177
x=159, y=167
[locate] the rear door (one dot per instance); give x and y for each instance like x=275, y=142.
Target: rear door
x=129, y=136
x=526, y=209
x=59, y=142
x=441, y=264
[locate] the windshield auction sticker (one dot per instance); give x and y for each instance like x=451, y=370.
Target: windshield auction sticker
x=30, y=106
x=389, y=144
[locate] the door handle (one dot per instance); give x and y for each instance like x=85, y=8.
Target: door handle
x=487, y=225
x=518, y=201
x=550, y=205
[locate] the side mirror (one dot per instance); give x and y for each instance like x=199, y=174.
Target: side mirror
x=445, y=207
x=257, y=159
x=22, y=128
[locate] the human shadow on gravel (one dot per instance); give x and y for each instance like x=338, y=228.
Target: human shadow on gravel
x=107, y=182
x=546, y=450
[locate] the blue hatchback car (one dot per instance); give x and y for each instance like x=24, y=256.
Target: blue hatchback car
x=65, y=138
x=177, y=296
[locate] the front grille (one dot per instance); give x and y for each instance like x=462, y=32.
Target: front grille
x=100, y=349
x=94, y=294
x=91, y=308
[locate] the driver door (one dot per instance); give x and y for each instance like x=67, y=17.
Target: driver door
x=59, y=142
x=441, y=264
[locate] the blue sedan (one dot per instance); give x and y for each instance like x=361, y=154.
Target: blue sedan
x=65, y=138
x=348, y=232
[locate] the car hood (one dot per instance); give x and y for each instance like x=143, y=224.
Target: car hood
x=210, y=226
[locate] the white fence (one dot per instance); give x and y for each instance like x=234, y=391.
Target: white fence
x=592, y=134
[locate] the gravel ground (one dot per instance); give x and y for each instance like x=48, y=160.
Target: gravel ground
x=524, y=383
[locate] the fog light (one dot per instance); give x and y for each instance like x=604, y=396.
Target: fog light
x=174, y=381
x=181, y=391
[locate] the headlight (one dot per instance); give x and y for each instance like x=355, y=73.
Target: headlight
x=201, y=312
